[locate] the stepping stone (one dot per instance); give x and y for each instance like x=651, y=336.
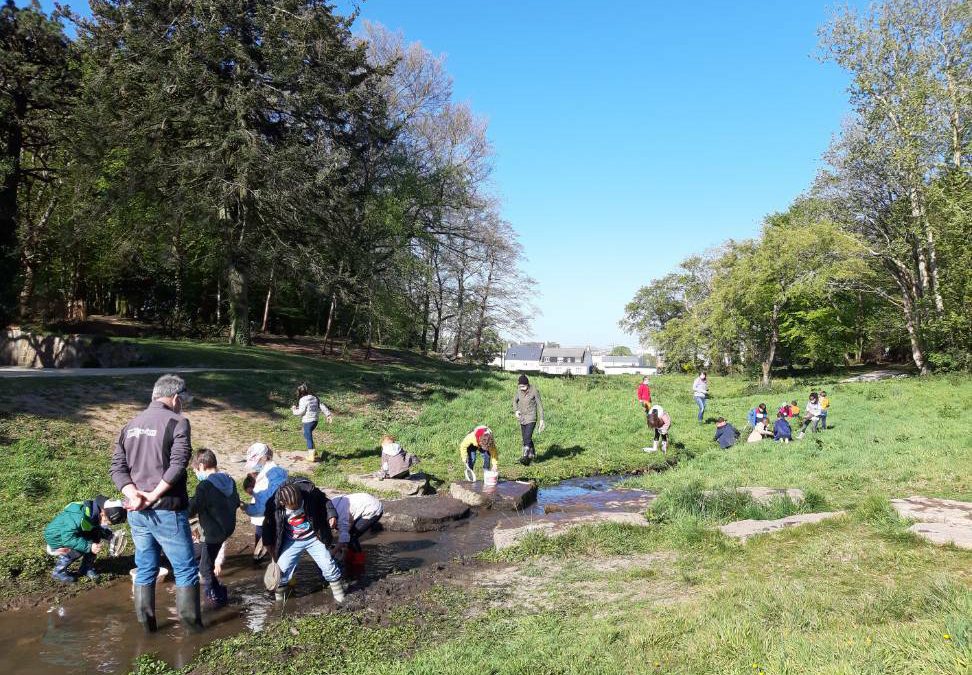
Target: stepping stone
x=510, y=532
x=934, y=510
x=944, y=533
x=511, y=495
x=416, y=484
x=744, y=529
x=764, y=495
x=422, y=514
x=941, y=521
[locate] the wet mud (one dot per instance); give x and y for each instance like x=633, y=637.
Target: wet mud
x=96, y=631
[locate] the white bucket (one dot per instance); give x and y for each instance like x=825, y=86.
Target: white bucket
x=490, y=478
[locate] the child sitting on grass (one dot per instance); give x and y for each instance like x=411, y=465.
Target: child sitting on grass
x=725, y=434
x=77, y=532
x=781, y=430
x=215, y=503
x=395, y=462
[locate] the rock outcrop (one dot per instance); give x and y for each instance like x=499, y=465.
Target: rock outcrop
x=744, y=529
x=422, y=514
x=510, y=495
x=416, y=484
x=510, y=532
x=940, y=521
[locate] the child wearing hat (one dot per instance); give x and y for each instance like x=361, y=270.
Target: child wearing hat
x=528, y=409
x=77, y=532
x=267, y=477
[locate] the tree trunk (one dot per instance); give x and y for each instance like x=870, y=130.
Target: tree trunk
x=236, y=290
x=460, y=306
x=927, y=261
x=331, y=311
x=9, y=209
x=483, y=309
x=771, y=352
x=911, y=323
x=266, y=304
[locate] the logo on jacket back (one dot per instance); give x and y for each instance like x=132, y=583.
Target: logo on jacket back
x=135, y=432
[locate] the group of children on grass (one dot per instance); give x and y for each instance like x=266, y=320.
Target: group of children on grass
x=726, y=435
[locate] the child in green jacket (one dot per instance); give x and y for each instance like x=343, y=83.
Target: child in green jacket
x=77, y=532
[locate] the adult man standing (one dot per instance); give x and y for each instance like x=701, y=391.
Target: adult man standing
x=149, y=467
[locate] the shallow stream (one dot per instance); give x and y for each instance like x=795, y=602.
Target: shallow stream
x=96, y=631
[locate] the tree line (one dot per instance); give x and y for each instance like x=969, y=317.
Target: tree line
x=227, y=166
x=874, y=260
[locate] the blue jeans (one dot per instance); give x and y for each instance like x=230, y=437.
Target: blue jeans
x=823, y=420
x=309, y=433
x=471, y=459
x=700, y=401
x=158, y=530
x=316, y=549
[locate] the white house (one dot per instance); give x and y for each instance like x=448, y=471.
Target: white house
x=623, y=365
x=523, y=357
x=559, y=361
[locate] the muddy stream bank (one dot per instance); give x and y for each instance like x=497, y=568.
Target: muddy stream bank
x=96, y=631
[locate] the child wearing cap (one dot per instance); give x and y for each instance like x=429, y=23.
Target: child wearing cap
x=267, y=477
x=77, y=532
x=478, y=440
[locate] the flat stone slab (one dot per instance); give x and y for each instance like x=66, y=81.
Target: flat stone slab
x=764, y=495
x=744, y=529
x=510, y=532
x=422, y=514
x=944, y=533
x=934, y=510
x=511, y=495
x=416, y=484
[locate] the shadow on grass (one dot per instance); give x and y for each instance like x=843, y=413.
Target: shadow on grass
x=560, y=452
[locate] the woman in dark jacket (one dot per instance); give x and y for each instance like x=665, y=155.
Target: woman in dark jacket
x=299, y=518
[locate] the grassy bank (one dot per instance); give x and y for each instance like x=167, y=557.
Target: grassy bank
x=855, y=595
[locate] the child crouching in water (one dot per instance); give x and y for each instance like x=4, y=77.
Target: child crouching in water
x=395, y=462
x=215, y=503
x=78, y=532
x=299, y=518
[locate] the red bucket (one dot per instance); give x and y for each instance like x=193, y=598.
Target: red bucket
x=354, y=562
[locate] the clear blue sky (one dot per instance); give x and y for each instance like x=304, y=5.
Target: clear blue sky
x=630, y=134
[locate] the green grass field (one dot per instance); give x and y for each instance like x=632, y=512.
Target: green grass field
x=854, y=595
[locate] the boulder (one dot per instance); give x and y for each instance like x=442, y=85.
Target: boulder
x=934, y=510
x=422, y=514
x=416, y=484
x=944, y=533
x=512, y=495
x=744, y=529
x=764, y=495
x=510, y=532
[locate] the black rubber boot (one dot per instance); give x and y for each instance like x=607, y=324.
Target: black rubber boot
x=145, y=607
x=187, y=605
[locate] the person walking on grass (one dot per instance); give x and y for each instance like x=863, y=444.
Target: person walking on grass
x=309, y=408
x=528, y=409
x=148, y=466
x=480, y=440
x=215, y=503
x=812, y=415
x=298, y=519
x=700, y=391
x=644, y=394
x=266, y=478
x=660, y=422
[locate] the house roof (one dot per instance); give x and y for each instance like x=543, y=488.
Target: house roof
x=621, y=361
x=525, y=352
x=560, y=352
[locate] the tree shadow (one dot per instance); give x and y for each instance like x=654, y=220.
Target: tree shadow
x=559, y=452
